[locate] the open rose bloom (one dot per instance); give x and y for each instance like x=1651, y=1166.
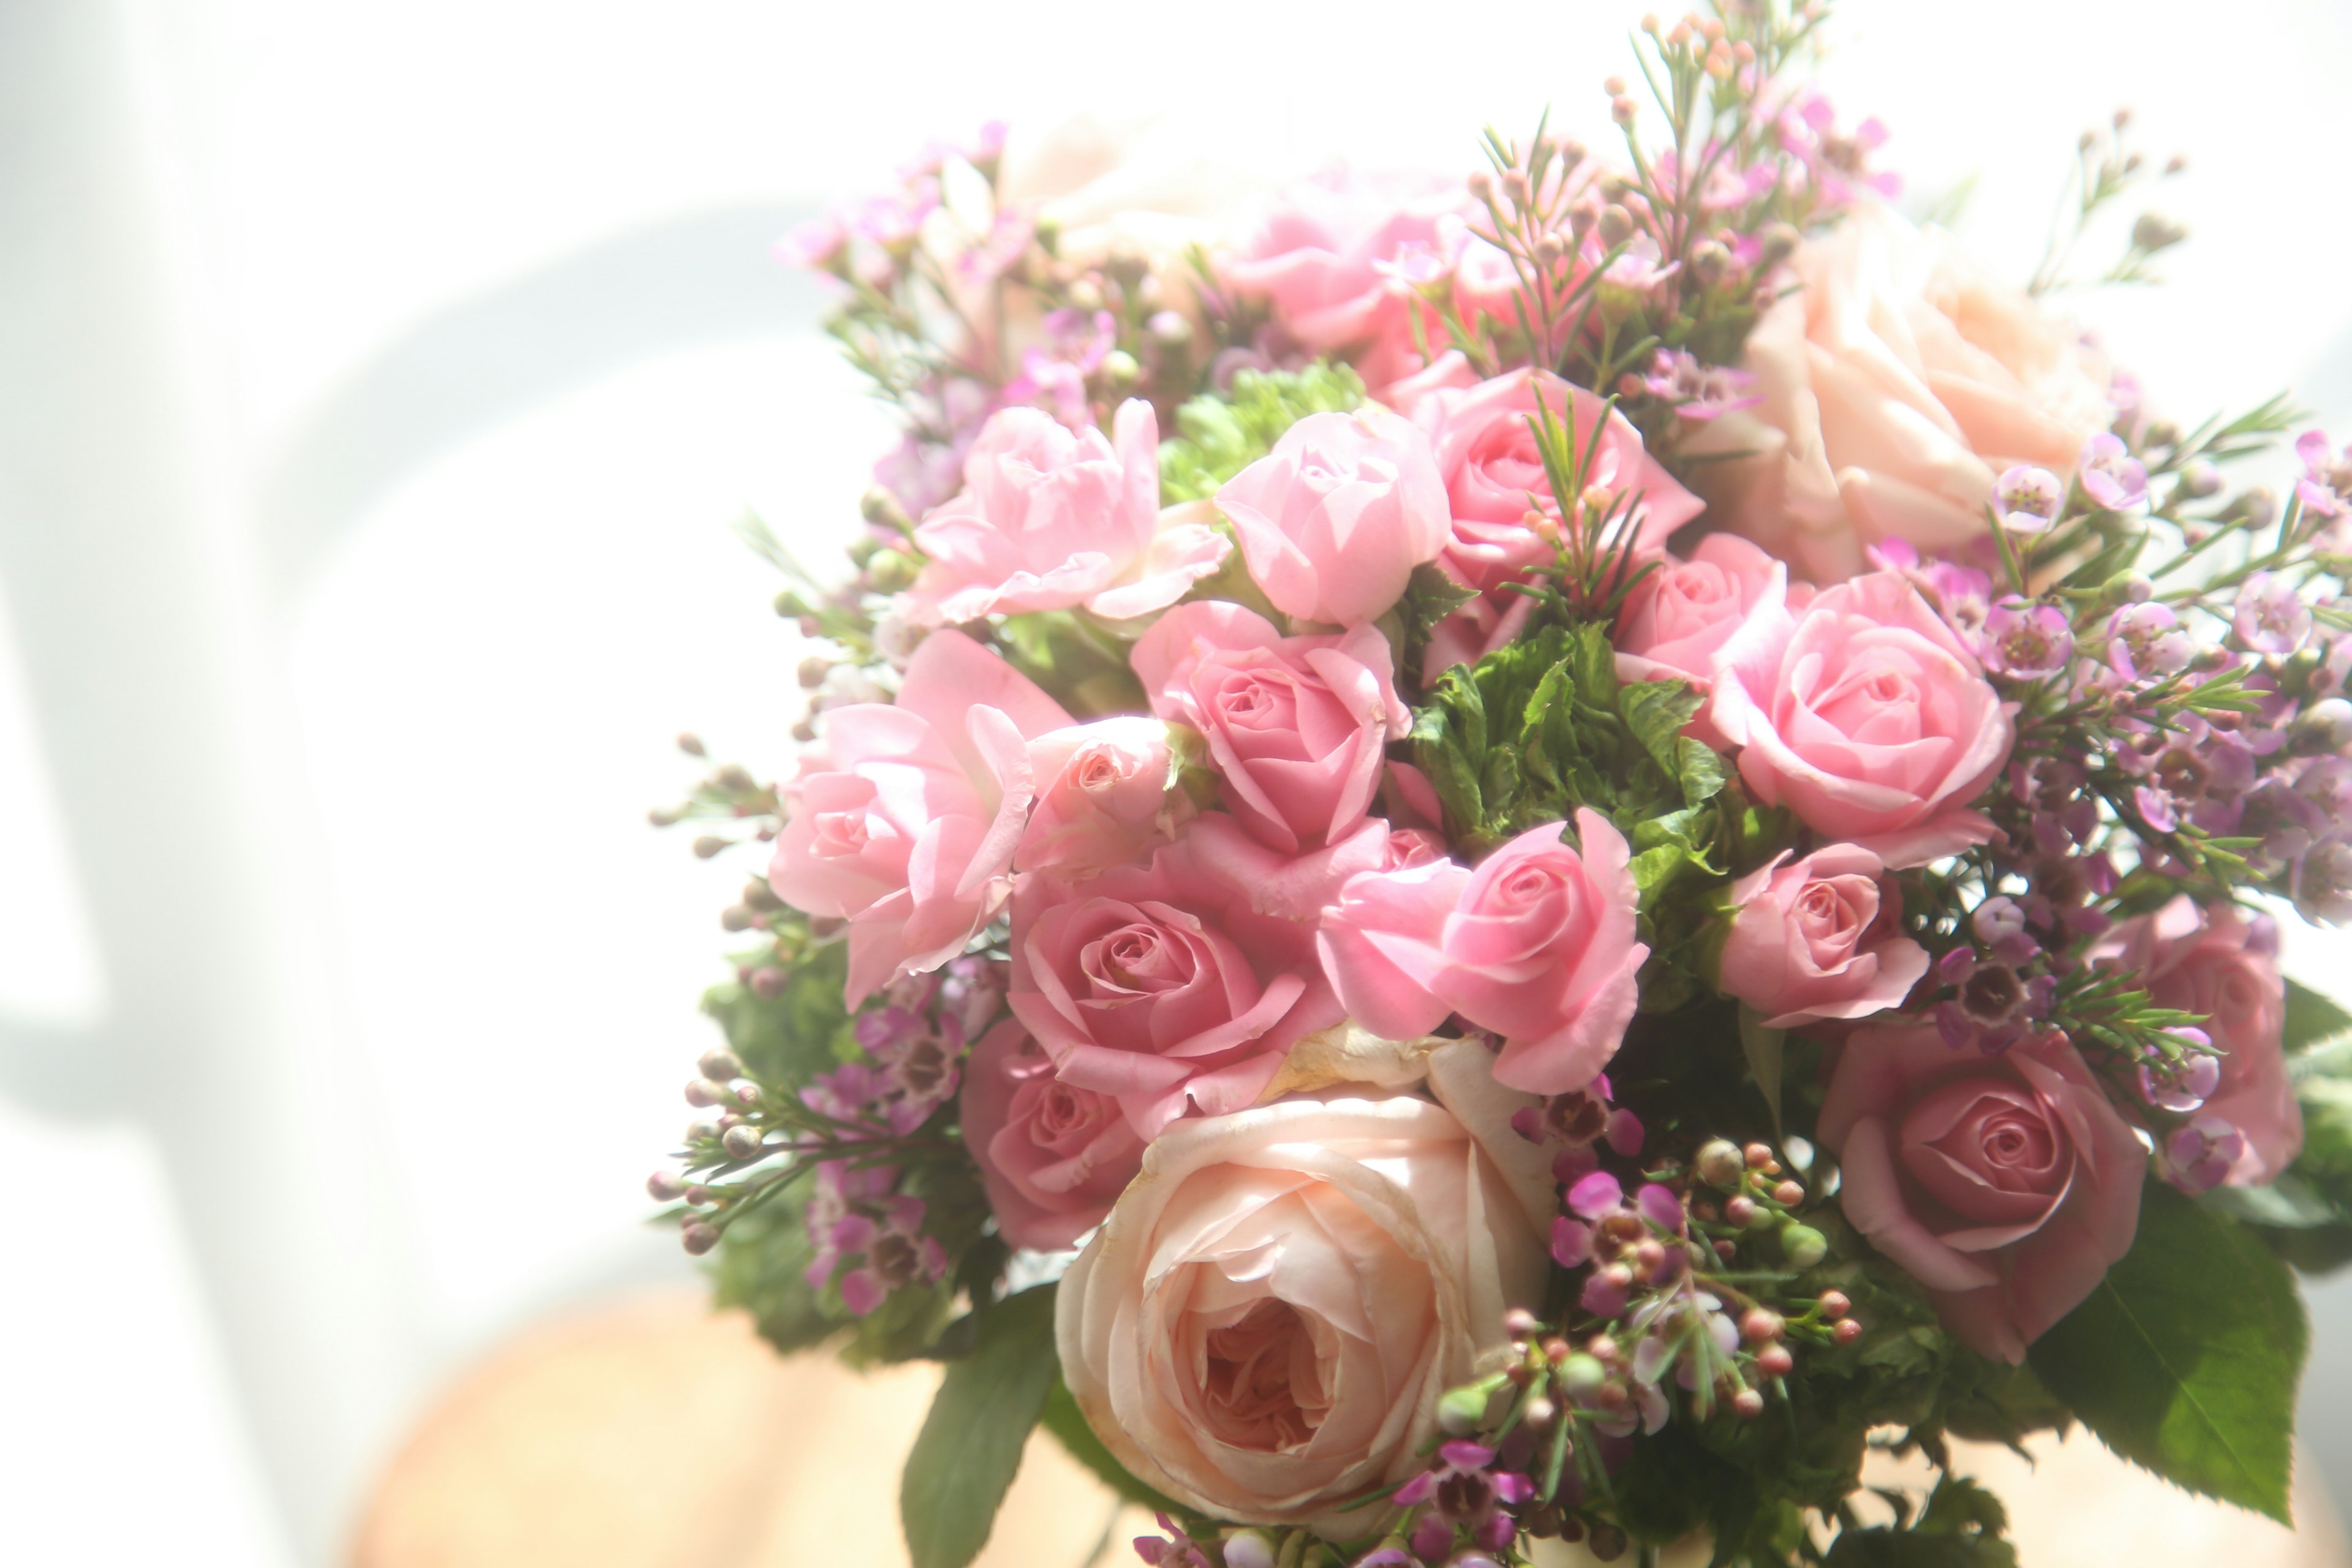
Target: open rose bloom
x=1454, y=838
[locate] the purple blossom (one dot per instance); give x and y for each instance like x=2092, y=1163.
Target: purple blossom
x=2026, y=640
x=1597, y=1197
x=2186, y=1084
x=2196, y=1154
x=1177, y=1550
x=816, y=245
x=2109, y=474
x=2027, y=500
x=2270, y=616
x=2321, y=882
x=2326, y=483
x=2147, y=640
x=1997, y=919
x=1698, y=391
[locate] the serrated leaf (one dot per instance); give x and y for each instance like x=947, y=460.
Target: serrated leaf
x=2311, y=1019
x=1430, y=595
x=965, y=1458
x=2186, y=1357
x=1656, y=710
x=1699, y=770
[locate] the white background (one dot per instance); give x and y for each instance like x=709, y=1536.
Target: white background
x=377, y=382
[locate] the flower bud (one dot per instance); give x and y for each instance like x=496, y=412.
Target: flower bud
x=666, y=1186
x=698, y=1239
x=1719, y=1164
x=1803, y=1245
x=1742, y=1211
x=1834, y=1305
x=1616, y=226
x=2325, y=726
x=1462, y=1410
x=1761, y=1325
x=690, y=743
x=741, y=1142
x=1250, y=1549
x=1787, y=1194
x=1848, y=1331
x=1774, y=1360
x=1758, y=1156
x=1747, y=1405
x=735, y=916
x=708, y=845
x=720, y=1065
x=881, y=509
x=768, y=984
x=703, y=1092
x=1580, y=1375
x=1522, y=1324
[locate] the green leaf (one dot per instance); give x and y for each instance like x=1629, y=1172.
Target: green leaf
x=1961, y=1527
x=2186, y=1357
x=762, y=1266
x=2289, y=1202
x=1764, y=1047
x=969, y=1447
x=1656, y=710
x=2311, y=1019
x=1430, y=595
x=1218, y=436
x=1699, y=770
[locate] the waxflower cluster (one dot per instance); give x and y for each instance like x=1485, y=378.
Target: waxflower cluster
x=1461, y=842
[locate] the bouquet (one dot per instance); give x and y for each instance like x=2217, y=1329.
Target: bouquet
x=1540, y=856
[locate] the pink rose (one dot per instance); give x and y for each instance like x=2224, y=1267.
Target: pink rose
x=1488, y=458
x=1727, y=602
x=1820, y=939
x=1536, y=944
x=903, y=821
x=1339, y=258
x=1160, y=986
x=1874, y=725
x=1891, y=389
x=1297, y=728
x=1106, y=794
x=1048, y=519
x=2208, y=964
x=1333, y=520
x=1053, y=1156
x=1263, y=1328
x=2005, y=1184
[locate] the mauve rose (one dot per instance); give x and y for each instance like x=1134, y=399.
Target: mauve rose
x=1820, y=939
x=1160, y=986
x=1337, y=257
x=903, y=820
x=1891, y=389
x=1106, y=794
x=2207, y=964
x=1535, y=944
x=1874, y=725
x=2005, y=1184
x=1263, y=1327
x=1297, y=727
x=1333, y=520
x=1728, y=602
x=1053, y=1156
x=1048, y=519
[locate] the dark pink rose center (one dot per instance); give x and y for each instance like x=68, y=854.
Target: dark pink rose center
x=1252, y=1375
x=1832, y=915
x=1135, y=961
x=1989, y=1149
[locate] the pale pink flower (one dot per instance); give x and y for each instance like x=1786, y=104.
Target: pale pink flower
x=903, y=820
x=1820, y=938
x=1054, y=1157
x=1049, y=519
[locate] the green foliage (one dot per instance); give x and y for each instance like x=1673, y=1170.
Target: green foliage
x=2186, y=1357
x=1541, y=728
x=804, y=1031
x=1961, y=1527
x=1217, y=437
x=2305, y=1215
x=969, y=1447
x=761, y=1266
x=2312, y=1019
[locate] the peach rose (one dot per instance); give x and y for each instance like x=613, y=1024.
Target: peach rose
x=1874, y=725
x=1264, y=1325
x=2207, y=963
x=1892, y=387
x=2005, y=1184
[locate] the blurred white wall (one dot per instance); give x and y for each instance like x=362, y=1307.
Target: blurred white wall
x=376, y=384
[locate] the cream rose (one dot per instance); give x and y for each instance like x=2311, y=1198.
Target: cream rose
x=1262, y=1328
x=1891, y=389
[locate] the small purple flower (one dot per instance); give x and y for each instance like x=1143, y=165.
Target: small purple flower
x=1997, y=919
x=2109, y=474
x=2326, y=483
x=2026, y=640
x=2147, y=640
x=2184, y=1085
x=1625, y=1133
x=2198, y=1153
x=1660, y=1207
x=2028, y=499
x=1177, y=1550
x=2270, y=616
x=1597, y=1197
x=1698, y=391
x=1572, y=1242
